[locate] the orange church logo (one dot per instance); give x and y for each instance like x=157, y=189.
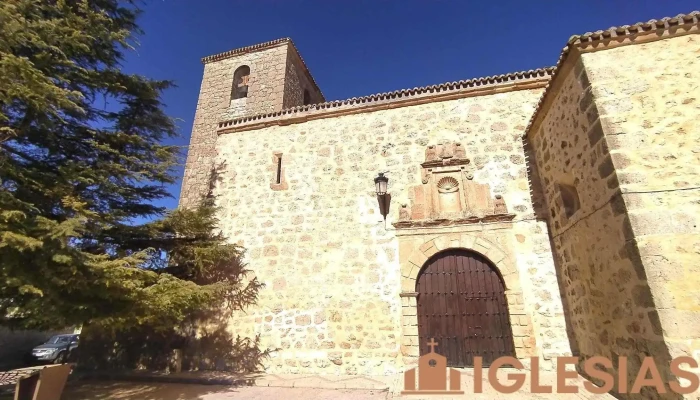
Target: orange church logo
x=432, y=375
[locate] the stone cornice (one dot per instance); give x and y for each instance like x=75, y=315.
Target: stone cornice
x=445, y=163
x=453, y=222
x=641, y=32
x=472, y=228
x=524, y=80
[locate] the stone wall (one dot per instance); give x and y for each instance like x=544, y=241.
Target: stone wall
x=610, y=306
x=265, y=92
x=332, y=266
x=298, y=80
x=649, y=107
x=534, y=305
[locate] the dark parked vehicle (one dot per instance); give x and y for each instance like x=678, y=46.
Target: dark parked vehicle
x=56, y=350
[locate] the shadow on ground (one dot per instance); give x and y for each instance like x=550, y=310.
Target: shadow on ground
x=170, y=391
x=144, y=391
x=210, y=347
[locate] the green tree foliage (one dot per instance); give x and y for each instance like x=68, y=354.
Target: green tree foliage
x=82, y=155
x=200, y=326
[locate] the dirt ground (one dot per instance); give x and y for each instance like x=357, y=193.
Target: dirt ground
x=174, y=391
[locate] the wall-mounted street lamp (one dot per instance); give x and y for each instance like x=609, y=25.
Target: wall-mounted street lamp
x=381, y=184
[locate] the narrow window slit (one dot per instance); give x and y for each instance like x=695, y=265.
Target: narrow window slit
x=277, y=179
x=279, y=169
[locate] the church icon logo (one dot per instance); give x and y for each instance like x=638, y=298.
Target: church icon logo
x=432, y=375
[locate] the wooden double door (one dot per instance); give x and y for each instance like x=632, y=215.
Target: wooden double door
x=462, y=304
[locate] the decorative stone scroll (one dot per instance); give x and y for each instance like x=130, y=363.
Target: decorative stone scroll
x=449, y=195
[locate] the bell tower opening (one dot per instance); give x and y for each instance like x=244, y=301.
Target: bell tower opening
x=239, y=90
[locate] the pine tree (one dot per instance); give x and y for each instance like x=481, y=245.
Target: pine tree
x=82, y=155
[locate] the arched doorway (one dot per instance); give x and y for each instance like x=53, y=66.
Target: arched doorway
x=462, y=304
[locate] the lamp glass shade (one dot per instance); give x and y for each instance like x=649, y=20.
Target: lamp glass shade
x=380, y=184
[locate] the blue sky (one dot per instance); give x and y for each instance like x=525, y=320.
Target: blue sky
x=356, y=48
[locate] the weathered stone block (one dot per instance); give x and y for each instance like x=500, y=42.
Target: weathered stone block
x=408, y=311
x=495, y=255
x=467, y=241
x=606, y=167
x=427, y=245
x=595, y=133
x=408, y=285
x=431, y=251
x=407, y=270
x=418, y=258
x=441, y=243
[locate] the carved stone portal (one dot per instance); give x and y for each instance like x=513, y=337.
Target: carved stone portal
x=449, y=195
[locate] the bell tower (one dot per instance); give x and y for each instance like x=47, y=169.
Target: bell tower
x=257, y=79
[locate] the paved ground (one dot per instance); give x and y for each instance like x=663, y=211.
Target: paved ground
x=297, y=387
x=175, y=391
x=285, y=387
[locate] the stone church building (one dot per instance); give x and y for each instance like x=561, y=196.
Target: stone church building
x=540, y=213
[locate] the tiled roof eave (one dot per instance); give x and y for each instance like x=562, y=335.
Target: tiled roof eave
x=246, y=49
x=538, y=76
x=610, y=38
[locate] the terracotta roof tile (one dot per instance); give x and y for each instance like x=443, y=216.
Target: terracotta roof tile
x=399, y=94
x=615, y=32
x=246, y=49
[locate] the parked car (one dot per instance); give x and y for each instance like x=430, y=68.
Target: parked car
x=56, y=350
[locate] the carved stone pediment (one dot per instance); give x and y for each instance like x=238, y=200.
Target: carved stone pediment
x=441, y=156
x=448, y=194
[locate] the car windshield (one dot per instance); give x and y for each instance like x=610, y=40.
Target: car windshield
x=59, y=339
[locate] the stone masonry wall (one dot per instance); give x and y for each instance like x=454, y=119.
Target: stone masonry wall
x=649, y=107
x=297, y=81
x=332, y=270
x=265, y=92
x=609, y=306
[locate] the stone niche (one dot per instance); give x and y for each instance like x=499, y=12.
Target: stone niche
x=448, y=194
